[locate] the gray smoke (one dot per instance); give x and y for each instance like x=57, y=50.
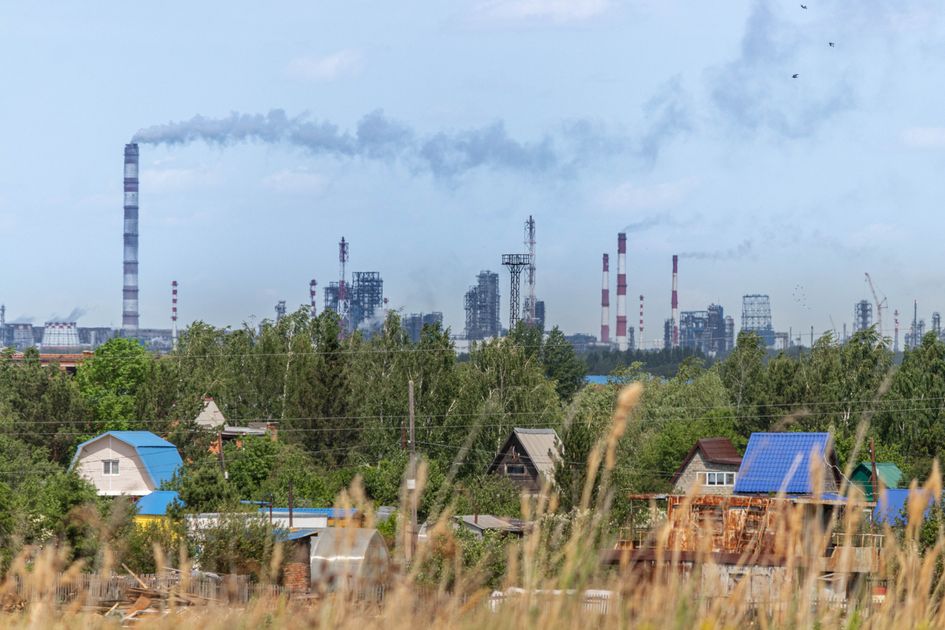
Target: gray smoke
x=376, y=137
x=648, y=222
x=73, y=315
x=739, y=251
x=23, y=319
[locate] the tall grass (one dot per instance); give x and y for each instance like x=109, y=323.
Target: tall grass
x=550, y=571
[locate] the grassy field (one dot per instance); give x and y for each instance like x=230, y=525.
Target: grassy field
x=554, y=578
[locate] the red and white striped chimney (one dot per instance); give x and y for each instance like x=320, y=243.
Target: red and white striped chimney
x=675, y=302
x=640, y=345
x=622, y=291
x=605, y=302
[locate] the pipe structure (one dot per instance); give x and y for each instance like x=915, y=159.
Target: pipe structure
x=605, y=302
x=129, y=309
x=640, y=344
x=622, y=292
x=174, y=312
x=674, y=302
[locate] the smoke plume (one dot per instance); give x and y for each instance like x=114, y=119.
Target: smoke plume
x=376, y=137
x=739, y=251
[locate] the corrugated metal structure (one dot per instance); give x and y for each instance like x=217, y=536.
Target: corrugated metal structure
x=776, y=462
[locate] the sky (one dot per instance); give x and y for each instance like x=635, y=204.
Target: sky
x=425, y=133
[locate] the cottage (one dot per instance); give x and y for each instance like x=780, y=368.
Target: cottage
x=710, y=467
x=862, y=476
x=776, y=462
x=528, y=456
x=133, y=463
x=210, y=416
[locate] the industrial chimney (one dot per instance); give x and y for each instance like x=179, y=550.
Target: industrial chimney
x=605, y=302
x=622, y=291
x=174, y=313
x=640, y=344
x=129, y=313
x=675, y=302
x=312, y=292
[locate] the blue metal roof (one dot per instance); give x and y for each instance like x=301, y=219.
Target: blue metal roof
x=160, y=458
x=284, y=535
x=776, y=461
x=156, y=503
x=889, y=507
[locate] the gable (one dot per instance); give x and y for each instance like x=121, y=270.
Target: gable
x=537, y=447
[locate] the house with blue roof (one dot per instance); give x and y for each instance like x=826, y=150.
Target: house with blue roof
x=131, y=463
x=776, y=462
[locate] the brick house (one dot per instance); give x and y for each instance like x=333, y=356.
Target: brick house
x=711, y=466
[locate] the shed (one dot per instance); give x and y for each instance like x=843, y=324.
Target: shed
x=775, y=462
x=710, y=466
x=480, y=523
x=889, y=476
x=527, y=456
x=133, y=463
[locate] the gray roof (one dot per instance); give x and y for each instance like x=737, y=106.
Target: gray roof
x=483, y=522
x=541, y=448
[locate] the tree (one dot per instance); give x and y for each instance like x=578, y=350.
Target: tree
x=562, y=365
x=109, y=381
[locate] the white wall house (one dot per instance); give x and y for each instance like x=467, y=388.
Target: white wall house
x=133, y=463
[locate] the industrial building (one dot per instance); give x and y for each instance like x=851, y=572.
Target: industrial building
x=482, y=307
x=756, y=317
x=413, y=324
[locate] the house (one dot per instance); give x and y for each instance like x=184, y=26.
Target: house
x=891, y=505
x=210, y=416
x=889, y=476
x=776, y=462
x=478, y=524
x=528, y=456
x=152, y=508
x=133, y=463
x=710, y=466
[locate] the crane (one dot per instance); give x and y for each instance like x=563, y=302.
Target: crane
x=880, y=304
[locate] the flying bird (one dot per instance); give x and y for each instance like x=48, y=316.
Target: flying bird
x=831, y=44
x=804, y=6
x=794, y=76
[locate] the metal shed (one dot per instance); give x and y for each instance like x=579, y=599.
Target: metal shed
x=348, y=557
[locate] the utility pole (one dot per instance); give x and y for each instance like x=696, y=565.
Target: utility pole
x=874, y=479
x=412, y=478
x=291, y=504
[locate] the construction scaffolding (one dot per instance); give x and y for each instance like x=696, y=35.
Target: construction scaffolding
x=482, y=307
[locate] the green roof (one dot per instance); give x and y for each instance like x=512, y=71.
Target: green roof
x=888, y=473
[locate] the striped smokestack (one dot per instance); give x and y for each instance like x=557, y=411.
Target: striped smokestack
x=605, y=302
x=675, y=302
x=622, y=292
x=640, y=345
x=129, y=310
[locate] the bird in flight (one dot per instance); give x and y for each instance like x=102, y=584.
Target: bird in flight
x=831, y=44
x=794, y=76
x=804, y=6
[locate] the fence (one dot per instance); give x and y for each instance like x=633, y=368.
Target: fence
x=92, y=589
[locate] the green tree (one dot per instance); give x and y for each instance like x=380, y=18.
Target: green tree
x=562, y=365
x=109, y=382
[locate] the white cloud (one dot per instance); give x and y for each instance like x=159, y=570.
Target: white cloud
x=553, y=10
x=327, y=67
x=295, y=182
x=630, y=196
x=924, y=137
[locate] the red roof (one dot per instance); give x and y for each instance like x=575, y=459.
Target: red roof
x=716, y=450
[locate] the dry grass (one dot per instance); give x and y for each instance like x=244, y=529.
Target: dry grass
x=565, y=557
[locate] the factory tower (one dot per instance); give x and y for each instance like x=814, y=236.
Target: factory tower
x=129, y=311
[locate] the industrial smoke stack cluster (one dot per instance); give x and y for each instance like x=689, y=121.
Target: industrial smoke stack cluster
x=129, y=314
x=622, y=344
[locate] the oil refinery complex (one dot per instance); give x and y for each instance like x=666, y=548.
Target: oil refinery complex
x=358, y=299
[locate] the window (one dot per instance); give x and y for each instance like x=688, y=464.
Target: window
x=514, y=469
x=717, y=478
x=110, y=467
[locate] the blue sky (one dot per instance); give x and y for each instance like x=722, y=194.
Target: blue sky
x=426, y=133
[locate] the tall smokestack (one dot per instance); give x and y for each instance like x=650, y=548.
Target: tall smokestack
x=129, y=311
x=312, y=292
x=174, y=312
x=622, y=291
x=640, y=344
x=675, y=302
x=605, y=302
